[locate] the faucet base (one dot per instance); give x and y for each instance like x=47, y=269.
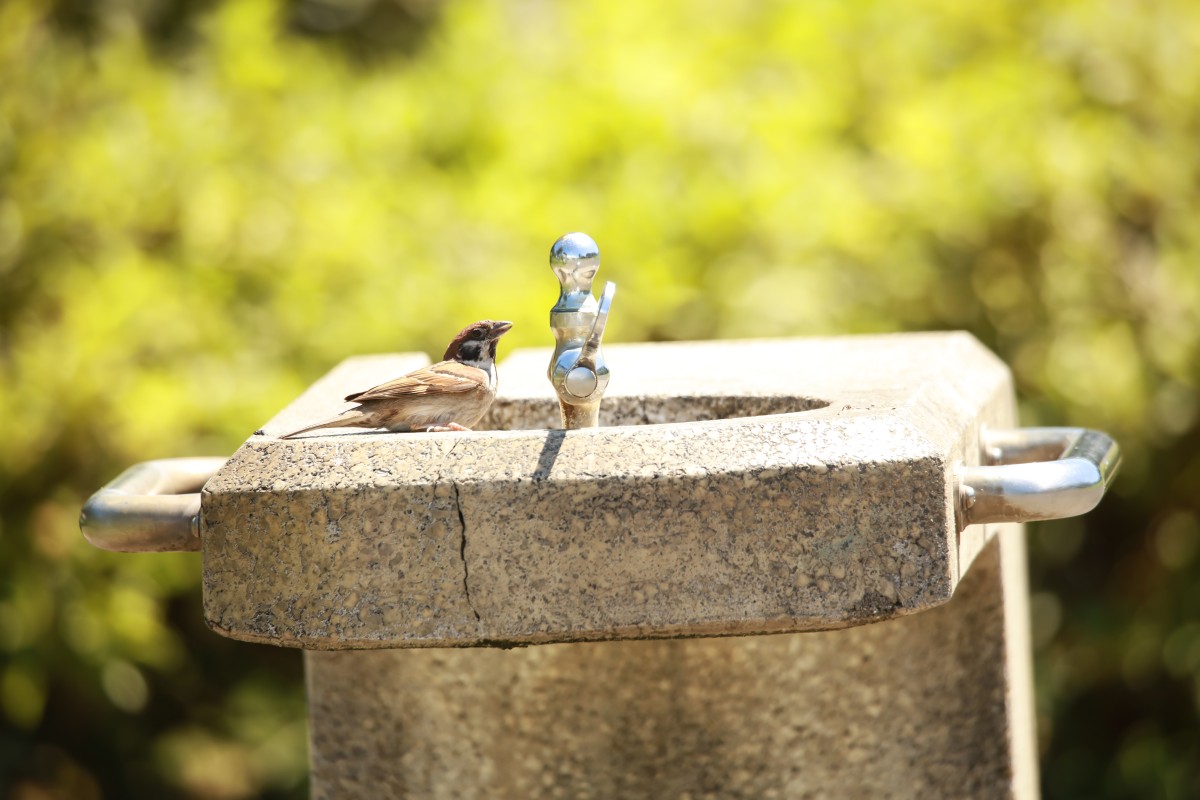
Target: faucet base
x=583, y=416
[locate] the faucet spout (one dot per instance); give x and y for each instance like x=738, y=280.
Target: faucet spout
x=577, y=369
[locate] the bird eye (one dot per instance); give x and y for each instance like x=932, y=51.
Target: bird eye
x=477, y=334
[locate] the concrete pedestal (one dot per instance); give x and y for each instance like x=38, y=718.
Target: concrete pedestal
x=935, y=705
x=802, y=491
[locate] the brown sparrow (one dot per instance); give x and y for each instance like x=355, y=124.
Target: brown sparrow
x=451, y=395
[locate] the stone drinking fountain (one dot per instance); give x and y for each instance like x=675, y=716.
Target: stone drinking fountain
x=780, y=568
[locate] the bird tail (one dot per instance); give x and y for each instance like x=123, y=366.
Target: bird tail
x=354, y=418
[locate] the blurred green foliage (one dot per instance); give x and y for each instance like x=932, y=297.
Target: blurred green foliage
x=204, y=205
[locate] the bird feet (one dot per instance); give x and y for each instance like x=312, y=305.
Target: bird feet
x=449, y=426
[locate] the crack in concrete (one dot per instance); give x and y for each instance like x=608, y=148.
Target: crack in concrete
x=462, y=522
x=462, y=551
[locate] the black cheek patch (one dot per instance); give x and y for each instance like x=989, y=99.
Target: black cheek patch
x=469, y=351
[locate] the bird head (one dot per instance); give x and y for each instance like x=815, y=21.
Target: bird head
x=476, y=342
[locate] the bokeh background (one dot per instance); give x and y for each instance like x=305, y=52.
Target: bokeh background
x=205, y=205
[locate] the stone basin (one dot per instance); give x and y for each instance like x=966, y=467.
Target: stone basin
x=734, y=488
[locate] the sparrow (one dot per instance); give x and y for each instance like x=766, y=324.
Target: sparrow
x=451, y=395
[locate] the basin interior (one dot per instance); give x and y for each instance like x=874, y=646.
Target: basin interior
x=526, y=399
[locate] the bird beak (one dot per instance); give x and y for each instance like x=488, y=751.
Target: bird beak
x=499, y=329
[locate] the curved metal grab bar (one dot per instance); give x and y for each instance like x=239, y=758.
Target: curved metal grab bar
x=152, y=507
x=1037, y=473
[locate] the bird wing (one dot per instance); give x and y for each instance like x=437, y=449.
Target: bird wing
x=445, y=376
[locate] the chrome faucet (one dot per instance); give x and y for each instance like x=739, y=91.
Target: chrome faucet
x=577, y=368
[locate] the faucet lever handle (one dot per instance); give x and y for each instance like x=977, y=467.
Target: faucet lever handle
x=587, y=355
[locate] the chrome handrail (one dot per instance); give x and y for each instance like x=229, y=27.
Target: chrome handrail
x=152, y=507
x=1074, y=468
